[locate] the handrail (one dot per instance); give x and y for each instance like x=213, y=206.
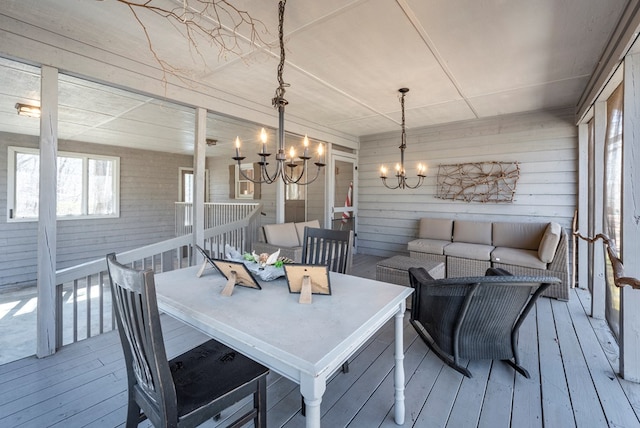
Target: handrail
x=618, y=267
x=85, y=282
x=99, y=265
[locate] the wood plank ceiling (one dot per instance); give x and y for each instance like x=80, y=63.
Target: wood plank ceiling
x=345, y=62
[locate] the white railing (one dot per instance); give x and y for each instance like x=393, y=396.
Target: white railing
x=215, y=214
x=83, y=296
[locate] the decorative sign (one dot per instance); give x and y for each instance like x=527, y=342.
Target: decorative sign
x=478, y=181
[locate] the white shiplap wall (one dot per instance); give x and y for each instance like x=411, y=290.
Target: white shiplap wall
x=148, y=191
x=544, y=143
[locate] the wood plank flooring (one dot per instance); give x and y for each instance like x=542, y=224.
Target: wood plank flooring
x=572, y=360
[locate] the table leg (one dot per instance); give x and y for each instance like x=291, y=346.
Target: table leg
x=399, y=369
x=312, y=390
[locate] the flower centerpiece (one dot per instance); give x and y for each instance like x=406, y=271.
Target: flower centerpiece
x=266, y=259
x=266, y=266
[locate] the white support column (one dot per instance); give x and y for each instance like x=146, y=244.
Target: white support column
x=630, y=246
x=583, y=206
x=279, y=200
x=199, y=166
x=329, y=186
x=598, y=303
x=46, y=276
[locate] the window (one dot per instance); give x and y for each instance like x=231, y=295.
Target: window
x=244, y=187
x=88, y=185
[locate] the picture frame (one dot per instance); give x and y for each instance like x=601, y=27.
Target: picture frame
x=236, y=272
x=208, y=261
x=317, y=274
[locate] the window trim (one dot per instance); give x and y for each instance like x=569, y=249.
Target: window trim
x=11, y=183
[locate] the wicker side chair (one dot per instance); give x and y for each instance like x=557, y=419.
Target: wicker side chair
x=474, y=317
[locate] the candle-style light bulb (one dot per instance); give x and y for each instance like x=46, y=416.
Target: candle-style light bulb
x=305, y=142
x=292, y=153
x=320, y=153
x=263, y=138
x=237, y=147
x=398, y=168
x=383, y=171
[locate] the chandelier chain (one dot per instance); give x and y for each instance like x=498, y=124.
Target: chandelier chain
x=278, y=98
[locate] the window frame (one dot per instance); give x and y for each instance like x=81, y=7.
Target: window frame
x=86, y=157
x=239, y=179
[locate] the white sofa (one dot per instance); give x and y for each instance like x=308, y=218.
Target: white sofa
x=286, y=237
x=469, y=248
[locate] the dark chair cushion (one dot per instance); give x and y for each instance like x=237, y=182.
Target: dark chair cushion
x=208, y=372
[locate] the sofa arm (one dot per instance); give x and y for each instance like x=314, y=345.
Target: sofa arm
x=560, y=260
x=293, y=253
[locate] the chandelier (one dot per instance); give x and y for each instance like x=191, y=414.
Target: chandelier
x=400, y=171
x=286, y=168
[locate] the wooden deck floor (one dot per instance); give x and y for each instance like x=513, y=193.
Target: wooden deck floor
x=571, y=357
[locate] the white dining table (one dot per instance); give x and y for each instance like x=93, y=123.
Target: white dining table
x=305, y=343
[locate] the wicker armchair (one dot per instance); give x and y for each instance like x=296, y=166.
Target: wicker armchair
x=474, y=317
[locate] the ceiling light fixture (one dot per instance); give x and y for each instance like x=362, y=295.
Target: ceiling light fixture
x=282, y=162
x=27, y=110
x=400, y=171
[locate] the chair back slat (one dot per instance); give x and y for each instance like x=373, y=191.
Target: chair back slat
x=332, y=248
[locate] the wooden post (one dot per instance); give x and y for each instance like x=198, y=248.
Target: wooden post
x=630, y=246
x=46, y=271
x=598, y=284
x=199, y=167
x=582, y=247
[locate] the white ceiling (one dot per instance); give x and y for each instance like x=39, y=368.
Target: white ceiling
x=461, y=59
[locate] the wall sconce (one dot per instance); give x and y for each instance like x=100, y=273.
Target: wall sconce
x=27, y=110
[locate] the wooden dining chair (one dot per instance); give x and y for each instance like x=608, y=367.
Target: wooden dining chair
x=332, y=248
x=191, y=388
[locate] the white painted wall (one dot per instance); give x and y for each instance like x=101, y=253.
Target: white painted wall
x=544, y=143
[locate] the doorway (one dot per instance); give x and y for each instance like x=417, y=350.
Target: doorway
x=343, y=194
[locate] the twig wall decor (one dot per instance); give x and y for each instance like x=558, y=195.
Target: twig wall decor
x=478, y=181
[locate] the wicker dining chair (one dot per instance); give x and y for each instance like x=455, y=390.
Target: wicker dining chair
x=191, y=388
x=474, y=317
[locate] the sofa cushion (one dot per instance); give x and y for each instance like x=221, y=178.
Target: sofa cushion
x=549, y=242
x=526, y=236
x=469, y=251
x=518, y=257
x=430, y=246
x=435, y=228
x=472, y=232
x=283, y=235
x=300, y=228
